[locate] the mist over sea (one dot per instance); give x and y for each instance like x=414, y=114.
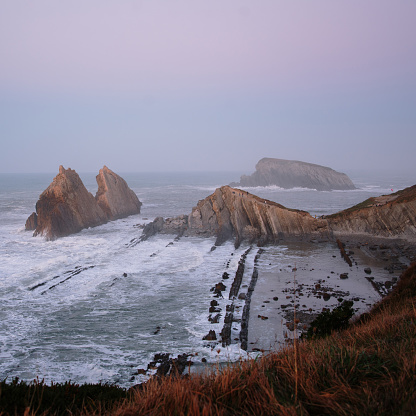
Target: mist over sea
x=90, y=307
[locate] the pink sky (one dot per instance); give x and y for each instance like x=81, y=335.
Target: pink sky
x=125, y=45
x=209, y=51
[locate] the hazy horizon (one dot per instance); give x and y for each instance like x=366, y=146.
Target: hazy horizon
x=190, y=86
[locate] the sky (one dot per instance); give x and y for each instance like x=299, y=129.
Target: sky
x=192, y=85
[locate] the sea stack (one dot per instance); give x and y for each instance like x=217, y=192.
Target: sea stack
x=114, y=196
x=66, y=207
x=295, y=174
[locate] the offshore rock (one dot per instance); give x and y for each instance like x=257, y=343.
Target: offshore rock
x=114, y=196
x=66, y=207
x=295, y=174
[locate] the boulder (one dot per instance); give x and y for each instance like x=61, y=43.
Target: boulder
x=211, y=336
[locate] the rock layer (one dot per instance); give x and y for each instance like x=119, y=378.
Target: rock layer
x=231, y=213
x=384, y=216
x=66, y=207
x=293, y=174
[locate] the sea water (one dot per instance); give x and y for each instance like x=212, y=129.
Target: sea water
x=91, y=307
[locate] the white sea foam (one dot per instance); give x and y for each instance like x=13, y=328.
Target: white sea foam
x=88, y=307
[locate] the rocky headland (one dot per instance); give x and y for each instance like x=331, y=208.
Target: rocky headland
x=66, y=207
x=386, y=216
x=295, y=174
x=231, y=213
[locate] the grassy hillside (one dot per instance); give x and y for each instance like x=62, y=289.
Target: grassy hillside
x=367, y=369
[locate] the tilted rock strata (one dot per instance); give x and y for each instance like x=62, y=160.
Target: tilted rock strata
x=385, y=216
x=231, y=213
x=66, y=207
x=292, y=174
x=114, y=196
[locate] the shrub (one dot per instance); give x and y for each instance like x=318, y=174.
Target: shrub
x=329, y=321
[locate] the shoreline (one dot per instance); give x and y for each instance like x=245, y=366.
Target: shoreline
x=260, y=314
x=319, y=281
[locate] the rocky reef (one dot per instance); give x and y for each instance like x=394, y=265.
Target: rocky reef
x=231, y=213
x=293, y=174
x=66, y=207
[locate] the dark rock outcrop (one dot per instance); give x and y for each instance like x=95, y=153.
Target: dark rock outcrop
x=66, y=207
x=295, y=174
x=31, y=222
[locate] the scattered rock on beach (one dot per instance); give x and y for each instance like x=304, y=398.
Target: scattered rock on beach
x=211, y=336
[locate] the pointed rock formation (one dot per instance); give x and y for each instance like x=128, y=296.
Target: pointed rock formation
x=114, y=196
x=295, y=174
x=66, y=207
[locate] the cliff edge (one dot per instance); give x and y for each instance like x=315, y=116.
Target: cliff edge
x=295, y=174
x=385, y=216
x=66, y=207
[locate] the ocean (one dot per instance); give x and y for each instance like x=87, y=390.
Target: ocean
x=93, y=308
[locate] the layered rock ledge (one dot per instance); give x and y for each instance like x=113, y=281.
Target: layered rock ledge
x=231, y=213
x=386, y=216
x=295, y=174
x=66, y=207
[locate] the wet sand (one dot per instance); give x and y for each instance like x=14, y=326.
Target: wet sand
x=312, y=277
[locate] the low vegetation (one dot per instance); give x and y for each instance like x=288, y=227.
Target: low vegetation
x=365, y=204
x=329, y=321
x=369, y=368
